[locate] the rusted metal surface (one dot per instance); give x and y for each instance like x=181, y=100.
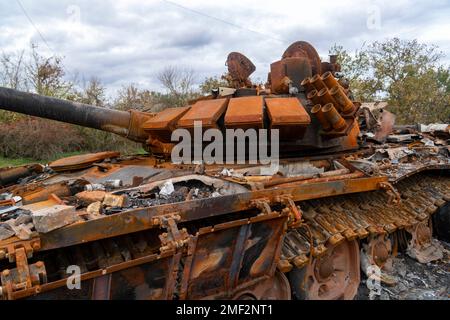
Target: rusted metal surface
x=318, y=113
x=335, y=220
x=163, y=123
x=10, y=176
x=143, y=219
x=208, y=112
x=329, y=80
x=226, y=257
x=332, y=276
x=386, y=121
x=333, y=117
x=239, y=69
x=317, y=82
x=345, y=104
x=81, y=161
x=312, y=95
x=289, y=116
x=245, y=112
x=304, y=49
x=145, y=228
x=288, y=71
x=325, y=97
x=115, y=121
x=306, y=83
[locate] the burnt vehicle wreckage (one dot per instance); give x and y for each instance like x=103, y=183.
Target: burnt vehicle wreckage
x=352, y=189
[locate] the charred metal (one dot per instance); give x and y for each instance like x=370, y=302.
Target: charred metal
x=351, y=191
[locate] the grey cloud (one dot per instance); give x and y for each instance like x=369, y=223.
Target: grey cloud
x=122, y=42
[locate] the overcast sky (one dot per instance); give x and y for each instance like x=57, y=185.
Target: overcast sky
x=124, y=42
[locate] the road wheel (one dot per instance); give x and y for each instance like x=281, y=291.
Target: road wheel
x=333, y=276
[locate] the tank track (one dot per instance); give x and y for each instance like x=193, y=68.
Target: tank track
x=331, y=221
x=328, y=222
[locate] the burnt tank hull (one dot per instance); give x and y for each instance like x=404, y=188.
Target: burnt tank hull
x=342, y=199
x=176, y=246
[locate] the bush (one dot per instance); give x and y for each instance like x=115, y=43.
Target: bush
x=96, y=141
x=42, y=139
x=38, y=139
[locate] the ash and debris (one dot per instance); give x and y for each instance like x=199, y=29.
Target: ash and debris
x=96, y=201
x=405, y=150
x=170, y=193
x=414, y=280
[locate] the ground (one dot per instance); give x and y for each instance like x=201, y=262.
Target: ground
x=8, y=162
x=416, y=281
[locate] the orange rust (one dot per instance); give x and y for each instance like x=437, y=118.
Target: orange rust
x=325, y=97
x=245, y=112
x=207, y=111
x=42, y=193
x=317, y=111
x=346, y=105
x=136, y=131
x=302, y=181
x=333, y=117
x=81, y=161
x=306, y=83
x=162, y=125
x=329, y=80
x=287, y=111
x=312, y=95
x=317, y=82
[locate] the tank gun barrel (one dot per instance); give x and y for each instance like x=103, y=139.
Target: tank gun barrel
x=124, y=123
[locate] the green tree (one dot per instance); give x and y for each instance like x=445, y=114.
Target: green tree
x=93, y=93
x=46, y=75
x=211, y=83
x=407, y=74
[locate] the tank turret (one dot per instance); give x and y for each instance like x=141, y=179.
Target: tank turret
x=310, y=110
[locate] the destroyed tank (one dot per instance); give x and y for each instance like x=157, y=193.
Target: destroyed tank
x=349, y=192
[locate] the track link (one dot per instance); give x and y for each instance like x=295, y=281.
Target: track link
x=331, y=221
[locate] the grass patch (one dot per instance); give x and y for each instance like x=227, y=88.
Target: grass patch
x=11, y=162
x=7, y=162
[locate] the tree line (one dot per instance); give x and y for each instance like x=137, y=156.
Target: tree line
x=407, y=74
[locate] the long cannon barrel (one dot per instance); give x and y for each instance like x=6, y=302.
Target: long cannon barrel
x=123, y=123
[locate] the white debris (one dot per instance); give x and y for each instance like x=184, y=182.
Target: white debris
x=443, y=127
x=94, y=187
x=55, y=217
x=226, y=173
x=166, y=189
x=6, y=231
x=427, y=142
x=23, y=231
x=113, y=184
x=434, y=251
x=6, y=196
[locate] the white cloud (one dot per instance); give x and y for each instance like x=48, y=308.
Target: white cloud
x=131, y=41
